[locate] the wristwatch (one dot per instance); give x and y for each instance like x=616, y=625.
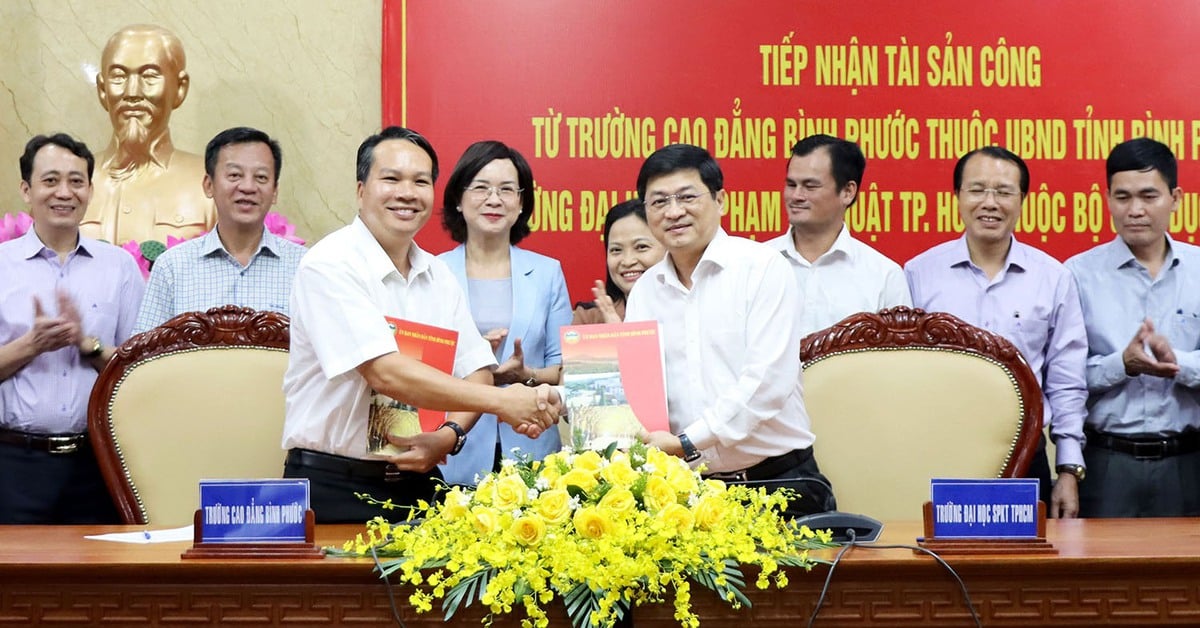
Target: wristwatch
x=532, y=381
x=460, y=436
x=690, y=453
x=1077, y=470
x=96, y=349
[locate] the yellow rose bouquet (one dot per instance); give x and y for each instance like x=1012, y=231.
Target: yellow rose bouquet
x=603, y=531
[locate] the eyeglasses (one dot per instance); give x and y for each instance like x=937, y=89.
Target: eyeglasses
x=507, y=193
x=685, y=200
x=1001, y=194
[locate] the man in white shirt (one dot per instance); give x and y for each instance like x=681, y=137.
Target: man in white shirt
x=837, y=274
x=343, y=352
x=730, y=329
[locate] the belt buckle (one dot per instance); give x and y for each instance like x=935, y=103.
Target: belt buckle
x=392, y=473
x=1155, y=450
x=731, y=476
x=62, y=444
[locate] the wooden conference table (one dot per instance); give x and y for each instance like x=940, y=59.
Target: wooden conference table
x=1117, y=572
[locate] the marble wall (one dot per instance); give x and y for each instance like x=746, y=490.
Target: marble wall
x=304, y=71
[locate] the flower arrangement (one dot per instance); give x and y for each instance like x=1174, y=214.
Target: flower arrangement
x=603, y=531
x=13, y=226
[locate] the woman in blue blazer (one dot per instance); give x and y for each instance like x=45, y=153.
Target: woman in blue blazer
x=518, y=298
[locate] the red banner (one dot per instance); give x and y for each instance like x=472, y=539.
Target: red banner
x=587, y=90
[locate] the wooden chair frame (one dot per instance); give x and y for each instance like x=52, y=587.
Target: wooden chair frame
x=226, y=326
x=908, y=329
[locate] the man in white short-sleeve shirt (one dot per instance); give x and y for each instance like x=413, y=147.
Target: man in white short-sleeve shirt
x=343, y=352
x=726, y=309
x=837, y=275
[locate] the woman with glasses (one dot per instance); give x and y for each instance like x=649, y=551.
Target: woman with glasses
x=630, y=251
x=517, y=298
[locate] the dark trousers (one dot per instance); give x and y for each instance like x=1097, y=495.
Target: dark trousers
x=1121, y=485
x=38, y=487
x=334, y=480
x=1039, y=468
x=814, y=492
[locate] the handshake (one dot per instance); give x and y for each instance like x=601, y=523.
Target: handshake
x=531, y=410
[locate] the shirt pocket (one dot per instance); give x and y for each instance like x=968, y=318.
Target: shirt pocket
x=182, y=215
x=1029, y=334
x=1184, y=333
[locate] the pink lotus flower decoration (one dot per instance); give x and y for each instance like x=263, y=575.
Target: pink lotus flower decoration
x=278, y=225
x=134, y=249
x=13, y=226
x=274, y=222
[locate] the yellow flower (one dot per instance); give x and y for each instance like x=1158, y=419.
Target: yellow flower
x=510, y=492
x=619, y=472
x=485, y=519
x=658, y=494
x=582, y=478
x=679, y=476
x=591, y=523
x=528, y=530
x=710, y=510
x=618, y=500
x=627, y=550
x=485, y=489
x=660, y=459
x=553, y=505
x=589, y=461
x=677, y=517
x=455, y=504
x=549, y=474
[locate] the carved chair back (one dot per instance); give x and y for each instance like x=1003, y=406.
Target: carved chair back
x=198, y=397
x=902, y=396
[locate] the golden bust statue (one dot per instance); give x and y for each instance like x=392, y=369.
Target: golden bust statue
x=145, y=189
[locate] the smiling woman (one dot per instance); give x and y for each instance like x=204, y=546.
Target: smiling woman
x=517, y=298
x=630, y=251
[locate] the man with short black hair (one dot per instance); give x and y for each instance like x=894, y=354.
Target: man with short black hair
x=726, y=309
x=837, y=275
x=1142, y=307
x=66, y=302
x=239, y=262
x=343, y=353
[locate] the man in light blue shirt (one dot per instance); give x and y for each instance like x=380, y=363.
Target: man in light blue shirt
x=991, y=280
x=239, y=262
x=1141, y=298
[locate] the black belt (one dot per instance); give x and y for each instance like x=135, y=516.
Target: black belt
x=50, y=443
x=349, y=467
x=767, y=469
x=1146, y=447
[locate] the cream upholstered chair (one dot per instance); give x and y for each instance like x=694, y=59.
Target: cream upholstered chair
x=198, y=397
x=902, y=396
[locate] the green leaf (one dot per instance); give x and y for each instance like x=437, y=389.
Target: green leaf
x=466, y=592
x=386, y=569
x=734, y=581
x=608, y=451
x=521, y=588
x=581, y=602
